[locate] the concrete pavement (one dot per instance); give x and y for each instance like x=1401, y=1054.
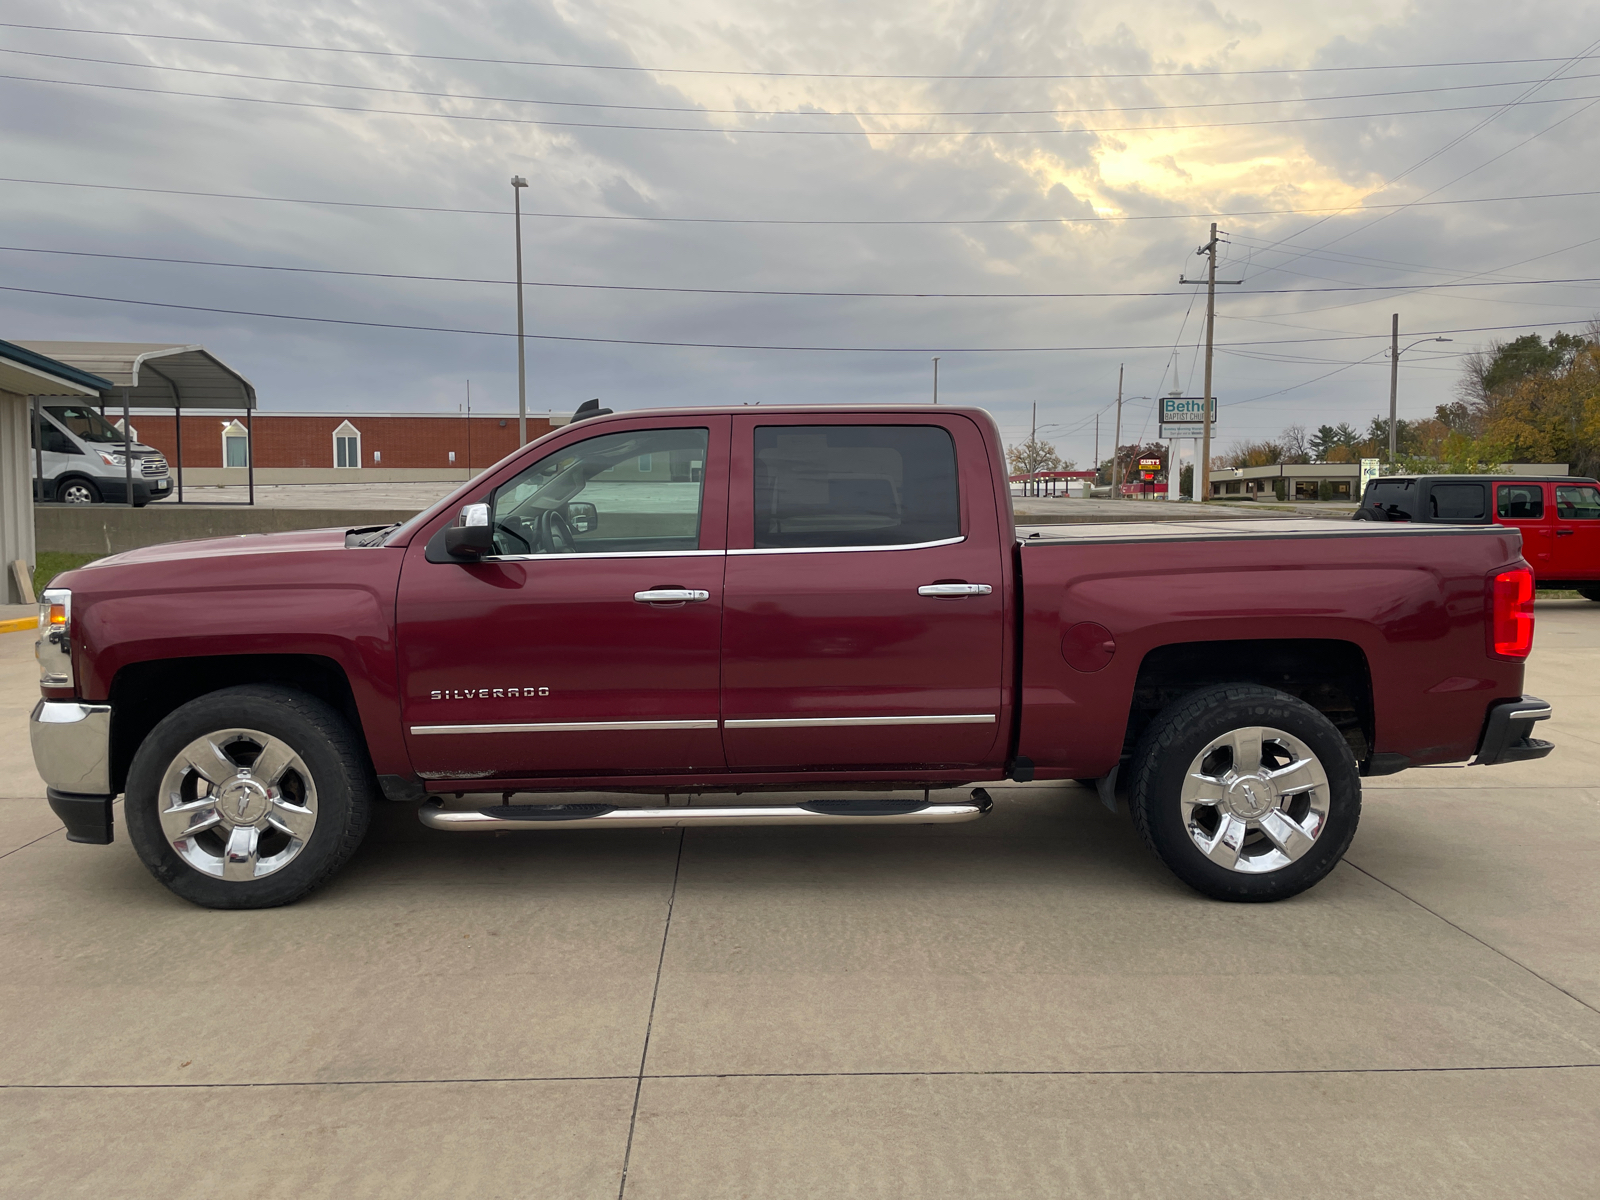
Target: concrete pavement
x=1026, y=1006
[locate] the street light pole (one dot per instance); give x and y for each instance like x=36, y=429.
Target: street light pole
x=517, y=184
x=936, y=379
x=1394, y=382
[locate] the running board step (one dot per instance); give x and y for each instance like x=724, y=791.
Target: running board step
x=596, y=816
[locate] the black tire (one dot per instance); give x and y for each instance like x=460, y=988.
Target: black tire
x=1368, y=514
x=1589, y=593
x=341, y=781
x=1161, y=766
x=77, y=490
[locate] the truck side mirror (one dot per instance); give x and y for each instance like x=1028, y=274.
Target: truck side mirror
x=583, y=517
x=471, y=537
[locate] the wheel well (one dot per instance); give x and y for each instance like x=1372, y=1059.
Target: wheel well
x=144, y=693
x=1331, y=676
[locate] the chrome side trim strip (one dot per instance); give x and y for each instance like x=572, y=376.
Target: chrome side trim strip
x=604, y=554
x=821, y=722
x=563, y=727
x=955, y=541
x=436, y=816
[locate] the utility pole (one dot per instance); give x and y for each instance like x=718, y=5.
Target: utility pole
x=1394, y=383
x=517, y=184
x=1116, y=441
x=1033, y=447
x=1203, y=467
x=1097, y=441
x=936, y=379
x=469, y=429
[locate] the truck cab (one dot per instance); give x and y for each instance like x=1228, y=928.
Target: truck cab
x=78, y=457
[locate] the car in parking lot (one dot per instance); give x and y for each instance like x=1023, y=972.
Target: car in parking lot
x=79, y=457
x=732, y=602
x=1557, y=515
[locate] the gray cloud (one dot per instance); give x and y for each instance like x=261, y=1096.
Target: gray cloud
x=88, y=135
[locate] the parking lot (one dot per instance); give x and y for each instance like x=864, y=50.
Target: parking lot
x=1026, y=1006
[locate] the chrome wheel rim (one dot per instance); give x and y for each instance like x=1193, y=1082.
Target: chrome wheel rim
x=238, y=804
x=1255, y=800
x=76, y=493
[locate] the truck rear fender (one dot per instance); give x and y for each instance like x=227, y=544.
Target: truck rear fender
x=1330, y=675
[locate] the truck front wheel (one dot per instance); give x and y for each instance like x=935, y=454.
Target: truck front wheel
x=1246, y=793
x=249, y=797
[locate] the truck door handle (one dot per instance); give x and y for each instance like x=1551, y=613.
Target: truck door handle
x=1564, y=532
x=954, y=589
x=671, y=595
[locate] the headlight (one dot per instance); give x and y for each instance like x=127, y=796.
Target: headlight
x=111, y=460
x=54, y=647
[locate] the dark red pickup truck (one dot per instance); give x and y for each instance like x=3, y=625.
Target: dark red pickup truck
x=669, y=607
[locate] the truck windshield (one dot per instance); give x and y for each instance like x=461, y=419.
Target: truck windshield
x=85, y=424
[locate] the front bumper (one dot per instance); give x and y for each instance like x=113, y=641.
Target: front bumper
x=72, y=751
x=1505, y=734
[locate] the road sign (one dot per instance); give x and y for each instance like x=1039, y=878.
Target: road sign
x=1181, y=416
x=1369, y=470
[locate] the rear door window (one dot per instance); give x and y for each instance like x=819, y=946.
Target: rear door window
x=1578, y=502
x=1519, y=502
x=1456, y=501
x=854, y=485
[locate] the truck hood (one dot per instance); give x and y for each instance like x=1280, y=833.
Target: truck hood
x=291, y=542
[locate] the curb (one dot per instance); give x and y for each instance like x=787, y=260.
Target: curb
x=19, y=625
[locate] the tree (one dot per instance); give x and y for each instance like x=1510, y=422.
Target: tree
x=1330, y=438
x=1030, y=456
x=1296, y=447
x=1254, y=454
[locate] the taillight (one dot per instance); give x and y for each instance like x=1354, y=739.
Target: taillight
x=1511, y=621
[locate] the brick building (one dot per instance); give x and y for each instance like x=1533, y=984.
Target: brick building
x=338, y=440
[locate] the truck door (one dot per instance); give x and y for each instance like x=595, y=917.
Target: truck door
x=1522, y=506
x=588, y=643
x=865, y=595
x=1576, y=554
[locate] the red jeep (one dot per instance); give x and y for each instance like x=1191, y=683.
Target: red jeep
x=1559, y=516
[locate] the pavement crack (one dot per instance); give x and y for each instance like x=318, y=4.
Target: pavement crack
x=644, y=1054
x=1459, y=929
x=35, y=842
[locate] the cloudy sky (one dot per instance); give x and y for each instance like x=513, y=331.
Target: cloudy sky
x=1014, y=187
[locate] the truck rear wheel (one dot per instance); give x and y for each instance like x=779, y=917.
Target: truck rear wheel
x=1246, y=793
x=249, y=797
x=1590, y=593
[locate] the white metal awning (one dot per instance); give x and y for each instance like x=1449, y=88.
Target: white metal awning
x=156, y=374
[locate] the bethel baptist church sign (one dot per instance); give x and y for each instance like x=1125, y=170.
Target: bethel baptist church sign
x=1180, y=416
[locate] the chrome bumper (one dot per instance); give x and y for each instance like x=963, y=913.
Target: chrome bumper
x=72, y=746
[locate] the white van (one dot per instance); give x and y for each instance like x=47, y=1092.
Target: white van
x=82, y=459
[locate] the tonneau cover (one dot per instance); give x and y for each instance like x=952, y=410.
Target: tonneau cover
x=1258, y=529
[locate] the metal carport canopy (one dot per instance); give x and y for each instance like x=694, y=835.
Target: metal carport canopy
x=157, y=375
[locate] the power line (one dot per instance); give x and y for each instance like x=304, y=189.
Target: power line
x=550, y=337
x=544, y=122
x=771, y=112
x=866, y=221
x=710, y=291
x=515, y=62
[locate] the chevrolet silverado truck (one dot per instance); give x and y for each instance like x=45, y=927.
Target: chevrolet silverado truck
x=692, y=616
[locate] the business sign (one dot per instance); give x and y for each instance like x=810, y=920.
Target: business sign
x=1149, y=467
x=1181, y=416
x=1369, y=470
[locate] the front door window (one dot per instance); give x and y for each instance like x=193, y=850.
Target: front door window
x=637, y=492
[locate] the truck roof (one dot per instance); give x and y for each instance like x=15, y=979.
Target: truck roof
x=1252, y=529
x=1491, y=477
